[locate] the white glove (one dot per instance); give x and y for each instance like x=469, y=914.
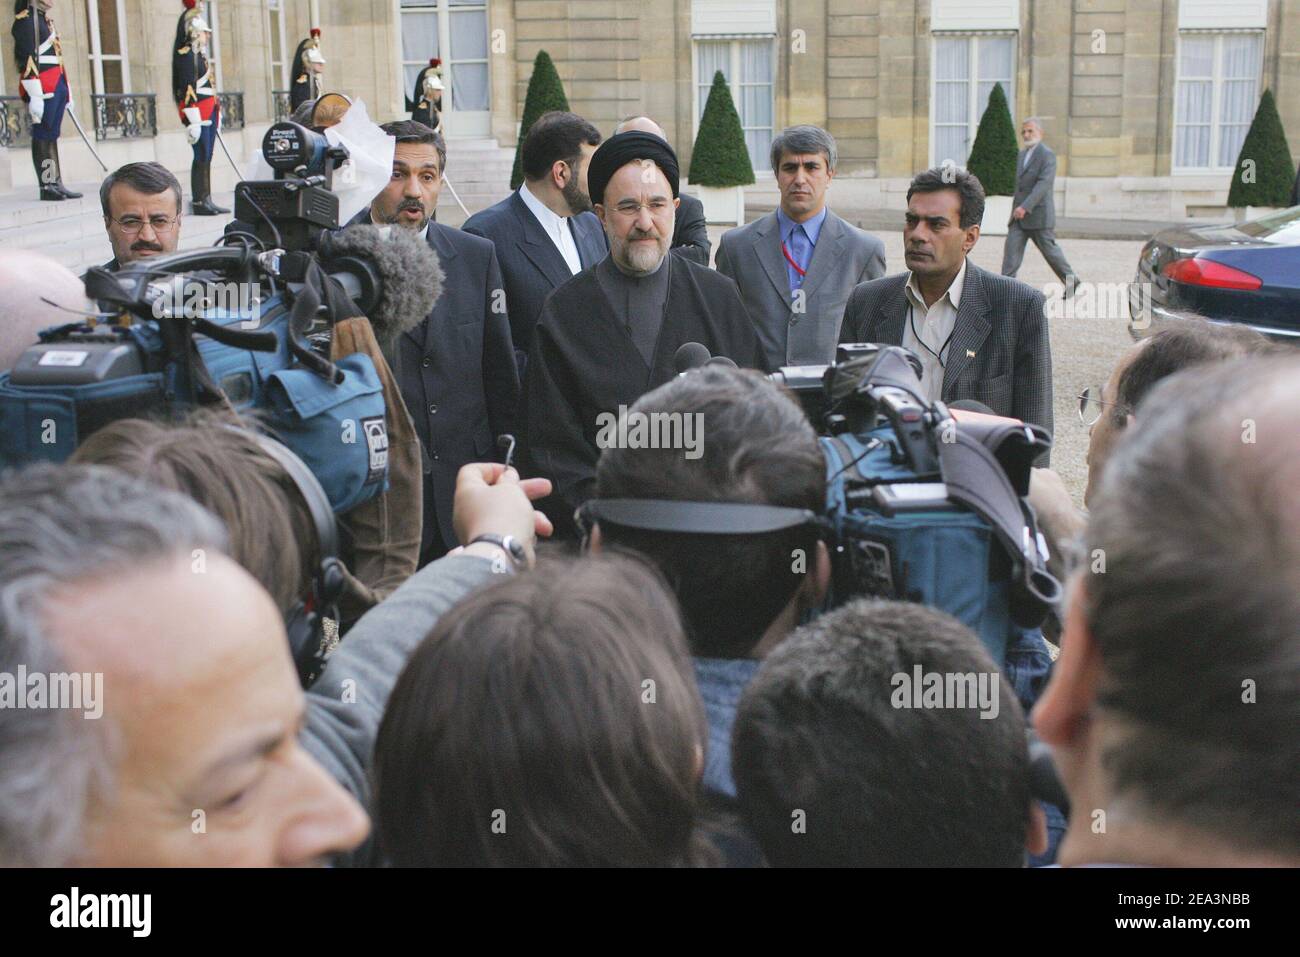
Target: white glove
x=194, y=123
x=36, y=98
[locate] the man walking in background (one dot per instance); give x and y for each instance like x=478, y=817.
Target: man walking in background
x=1034, y=215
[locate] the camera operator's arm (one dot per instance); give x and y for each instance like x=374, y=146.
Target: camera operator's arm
x=500, y=370
x=346, y=704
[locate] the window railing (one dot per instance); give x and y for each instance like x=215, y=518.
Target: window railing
x=280, y=103
x=15, y=122
x=124, y=115
x=232, y=110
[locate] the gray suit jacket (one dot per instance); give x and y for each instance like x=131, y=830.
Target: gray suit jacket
x=347, y=702
x=1000, y=354
x=843, y=257
x=1034, y=186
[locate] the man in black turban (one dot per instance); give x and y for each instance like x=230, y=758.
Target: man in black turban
x=611, y=333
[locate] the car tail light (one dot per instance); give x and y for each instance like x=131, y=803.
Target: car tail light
x=1207, y=272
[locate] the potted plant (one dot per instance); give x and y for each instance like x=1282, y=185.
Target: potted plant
x=545, y=93
x=720, y=168
x=993, y=158
x=1264, y=174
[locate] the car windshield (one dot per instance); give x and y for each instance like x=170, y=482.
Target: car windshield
x=1282, y=227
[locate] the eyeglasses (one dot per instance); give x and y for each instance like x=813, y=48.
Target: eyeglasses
x=131, y=225
x=628, y=208
x=1092, y=405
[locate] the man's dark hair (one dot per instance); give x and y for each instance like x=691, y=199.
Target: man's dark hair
x=803, y=140
x=966, y=184
x=147, y=178
x=1188, y=342
x=1197, y=612
x=411, y=131
x=553, y=137
x=551, y=719
x=757, y=447
x=817, y=732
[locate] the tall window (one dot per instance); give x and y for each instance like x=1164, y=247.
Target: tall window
x=748, y=66
x=108, y=64
x=455, y=31
x=209, y=10
x=965, y=69
x=1217, y=92
x=279, y=57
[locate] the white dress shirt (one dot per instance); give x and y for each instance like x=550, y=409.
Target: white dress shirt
x=1029, y=154
x=928, y=331
x=557, y=227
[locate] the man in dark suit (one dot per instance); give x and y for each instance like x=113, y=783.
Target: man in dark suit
x=690, y=230
x=457, y=368
x=1034, y=216
x=796, y=266
x=545, y=232
x=979, y=336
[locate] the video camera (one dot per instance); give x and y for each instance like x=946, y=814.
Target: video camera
x=294, y=209
x=869, y=384
x=247, y=323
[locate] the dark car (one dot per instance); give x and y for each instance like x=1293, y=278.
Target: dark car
x=1246, y=273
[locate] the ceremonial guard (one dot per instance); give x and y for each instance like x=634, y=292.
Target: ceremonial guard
x=426, y=102
x=192, y=79
x=308, y=64
x=43, y=84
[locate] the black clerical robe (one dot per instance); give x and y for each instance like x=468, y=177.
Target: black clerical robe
x=584, y=362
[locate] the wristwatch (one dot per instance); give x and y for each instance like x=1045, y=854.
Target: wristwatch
x=508, y=544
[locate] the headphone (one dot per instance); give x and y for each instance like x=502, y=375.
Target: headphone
x=305, y=621
x=695, y=518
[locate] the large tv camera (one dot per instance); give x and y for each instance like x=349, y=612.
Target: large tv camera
x=248, y=323
x=294, y=209
x=869, y=385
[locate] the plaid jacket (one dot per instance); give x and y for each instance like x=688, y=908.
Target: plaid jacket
x=1000, y=353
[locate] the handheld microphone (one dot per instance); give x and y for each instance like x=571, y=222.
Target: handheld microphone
x=722, y=361
x=690, y=356
x=393, y=275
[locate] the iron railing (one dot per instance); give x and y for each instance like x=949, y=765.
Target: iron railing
x=124, y=115
x=280, y=104
x=15, y=122
x=232, y=110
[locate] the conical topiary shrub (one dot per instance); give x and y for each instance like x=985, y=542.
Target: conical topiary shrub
x=545, y=93
x=994, y=153
x=720, y=157
x=1264, y=173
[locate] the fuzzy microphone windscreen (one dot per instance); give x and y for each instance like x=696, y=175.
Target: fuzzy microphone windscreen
x=410, y=276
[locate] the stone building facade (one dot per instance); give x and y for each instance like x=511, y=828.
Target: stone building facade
x=1143, y=100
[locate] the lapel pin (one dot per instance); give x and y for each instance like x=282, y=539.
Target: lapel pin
x=970, y=353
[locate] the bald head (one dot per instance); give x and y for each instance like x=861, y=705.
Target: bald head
x=28, y=279
x=642, y=124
